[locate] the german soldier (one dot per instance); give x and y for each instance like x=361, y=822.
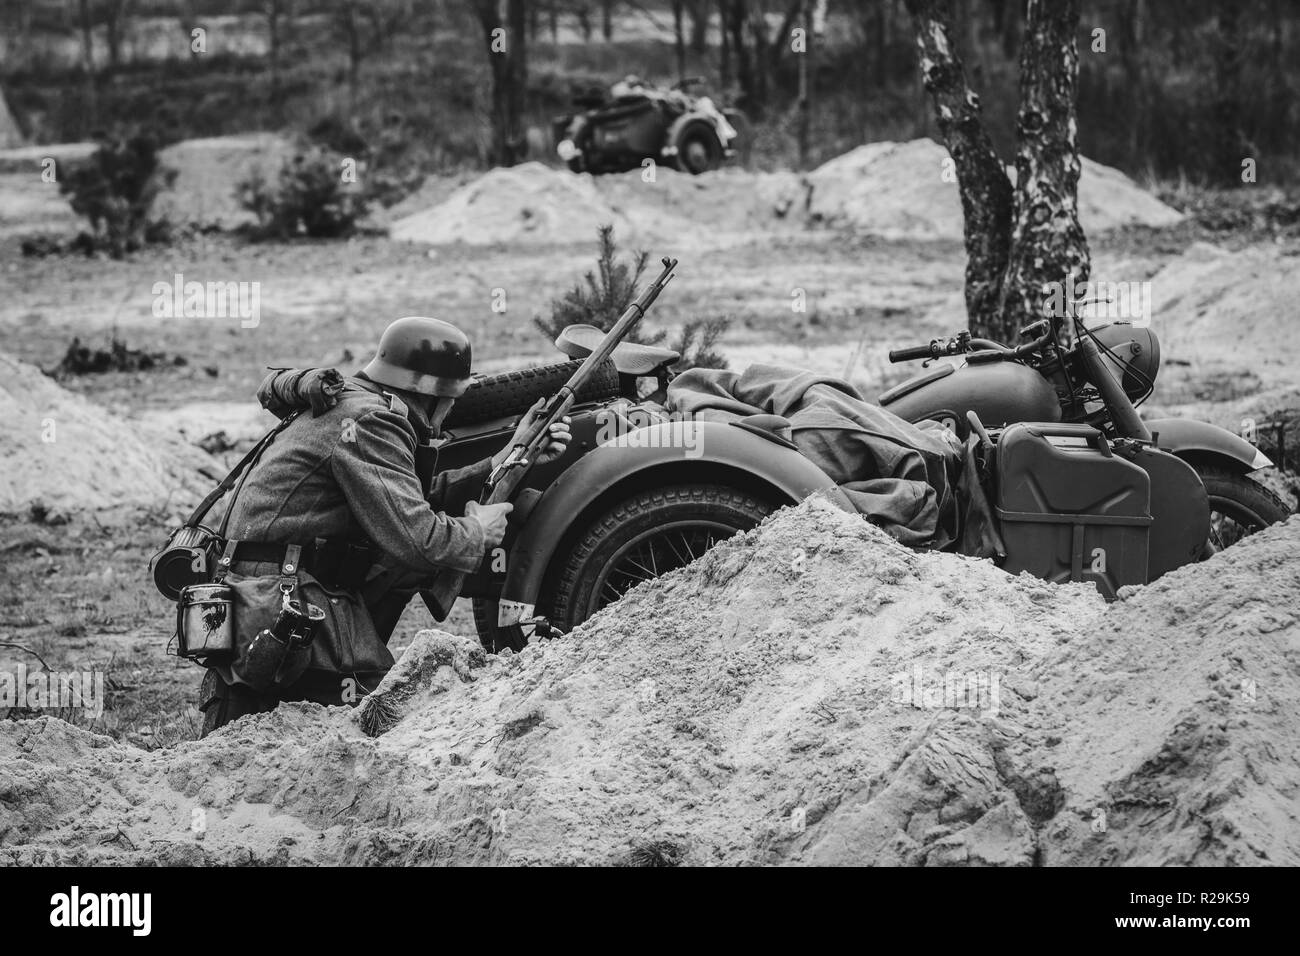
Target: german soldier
x=340, y=485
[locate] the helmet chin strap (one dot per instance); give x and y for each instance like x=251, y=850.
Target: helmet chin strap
x=437, y=411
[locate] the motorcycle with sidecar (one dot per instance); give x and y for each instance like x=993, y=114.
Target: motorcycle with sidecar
x=636, y=122
x=1083, y=489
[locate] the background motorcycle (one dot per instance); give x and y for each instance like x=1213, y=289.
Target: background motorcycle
x=637, y=122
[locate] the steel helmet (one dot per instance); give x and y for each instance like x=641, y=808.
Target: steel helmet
x=423, y=355
x=1133, y=355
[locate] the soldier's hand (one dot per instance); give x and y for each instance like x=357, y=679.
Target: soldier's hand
x=560, y=438
x=492, y=518
x=559, y=434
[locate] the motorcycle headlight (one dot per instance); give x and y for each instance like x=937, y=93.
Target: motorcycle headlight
x=1133, y=355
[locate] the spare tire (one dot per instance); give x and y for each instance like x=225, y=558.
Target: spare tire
x=513, y=393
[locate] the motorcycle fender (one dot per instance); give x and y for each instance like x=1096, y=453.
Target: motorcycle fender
x=671, y=452
x=1184, y=436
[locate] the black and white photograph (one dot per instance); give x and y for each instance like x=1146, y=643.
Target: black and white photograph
x=649, y=433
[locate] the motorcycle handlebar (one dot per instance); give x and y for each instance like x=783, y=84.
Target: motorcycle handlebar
x=975, y=350
x=914, y=353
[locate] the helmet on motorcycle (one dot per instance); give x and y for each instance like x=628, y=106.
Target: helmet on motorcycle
x=422, y=355
x=1133, y=355
x=628, y=86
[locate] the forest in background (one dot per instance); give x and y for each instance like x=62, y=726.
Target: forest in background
x=1179, y=90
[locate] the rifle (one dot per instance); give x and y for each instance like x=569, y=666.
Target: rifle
x=505, y=479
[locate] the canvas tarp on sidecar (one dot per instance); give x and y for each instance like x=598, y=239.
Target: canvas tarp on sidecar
x=916, y=481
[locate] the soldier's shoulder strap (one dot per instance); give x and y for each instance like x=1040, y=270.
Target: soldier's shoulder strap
x=241, y=468
x=395, y=404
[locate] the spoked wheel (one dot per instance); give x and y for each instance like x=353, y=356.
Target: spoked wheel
x=649, y=534
x=653, y=553
x=1239, y=506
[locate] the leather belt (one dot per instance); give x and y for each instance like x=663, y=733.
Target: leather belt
x=340, y=564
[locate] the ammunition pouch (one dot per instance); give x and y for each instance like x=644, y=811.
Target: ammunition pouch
x=262, y=625
x=273, y=627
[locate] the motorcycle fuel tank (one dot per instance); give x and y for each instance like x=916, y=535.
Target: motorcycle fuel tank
x=1000, y=393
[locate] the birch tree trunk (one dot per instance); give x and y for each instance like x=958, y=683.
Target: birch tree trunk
x=1047, y=242
x=986, y=196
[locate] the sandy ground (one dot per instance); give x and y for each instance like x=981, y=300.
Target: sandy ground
x=865, y=704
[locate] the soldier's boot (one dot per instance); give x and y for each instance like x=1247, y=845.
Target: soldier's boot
x=222, y=703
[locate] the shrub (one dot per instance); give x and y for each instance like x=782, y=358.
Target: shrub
x=308, y=198
x=696, y=343
x=605, y=294
x=115, y=189
x=389, y=149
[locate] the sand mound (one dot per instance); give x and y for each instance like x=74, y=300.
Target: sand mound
x=888, y=189
x=69, y=454
x=727, y=203
x=10, y=135
x=237, y=425
x=209, y=172
x=809, y=692
x=530, y=203
x=1211, y=307
x=896, y=190
x=29, y=159
x=534, y=203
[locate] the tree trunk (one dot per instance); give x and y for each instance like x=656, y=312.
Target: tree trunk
x=607, y=19
x=982, y=182
x=679, y=38
x=273, y=11
x=734, y=24
x=1047, y=242
x=1228, y=147
x=509, y=78
x=699, y=11
x=1006, y=22
x=88, y=56
x=517, y=12
x=805, y=93
x=762, y=55
x=1132, y=56
x=724, y=58
x=878, y=31
x=350, y=18
x=115, y=16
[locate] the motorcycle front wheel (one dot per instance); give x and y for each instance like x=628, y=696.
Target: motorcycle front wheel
x=1239, y=506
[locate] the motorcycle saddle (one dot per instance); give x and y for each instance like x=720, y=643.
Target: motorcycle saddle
x=630, y=358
